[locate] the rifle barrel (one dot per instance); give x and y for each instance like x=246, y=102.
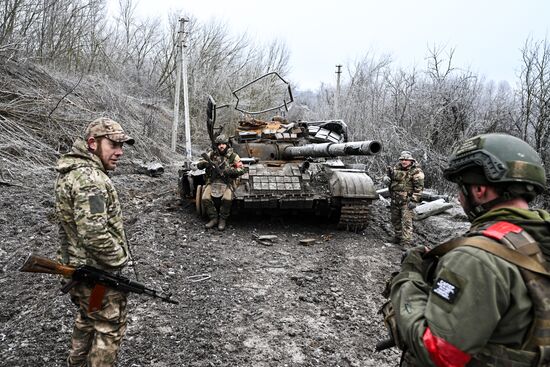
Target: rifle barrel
x=384, y=344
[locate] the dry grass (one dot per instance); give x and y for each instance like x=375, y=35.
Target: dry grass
x=41, y=113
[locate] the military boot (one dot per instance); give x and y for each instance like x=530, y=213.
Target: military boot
x=221, y=224
x=211, y=223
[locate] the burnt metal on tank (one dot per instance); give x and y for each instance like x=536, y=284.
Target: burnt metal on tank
x=294, y=166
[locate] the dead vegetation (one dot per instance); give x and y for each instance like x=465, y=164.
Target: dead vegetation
x=256, y=303
x=41, y=114
x=242, y=302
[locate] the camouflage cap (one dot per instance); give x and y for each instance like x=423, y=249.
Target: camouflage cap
x=111, y=129
x=406, y=155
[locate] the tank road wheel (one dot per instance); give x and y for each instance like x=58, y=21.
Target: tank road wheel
x=354, y=214
x=198, y=201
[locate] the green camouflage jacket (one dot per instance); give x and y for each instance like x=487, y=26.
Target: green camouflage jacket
x=230, y=165
x=485, y=311
x=406, y=183
x=87, y=207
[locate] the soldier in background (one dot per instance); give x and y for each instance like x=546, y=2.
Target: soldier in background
x=405, y=181
x=91, y=233
x=482, y=299
x=220, y=181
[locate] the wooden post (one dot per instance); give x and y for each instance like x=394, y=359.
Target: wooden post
x=179, y=63
x=186, y=98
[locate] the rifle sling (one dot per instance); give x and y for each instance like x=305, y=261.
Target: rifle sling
x=494, y=248
x=96, y=298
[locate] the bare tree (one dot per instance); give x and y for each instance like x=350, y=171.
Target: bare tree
x=534, y=95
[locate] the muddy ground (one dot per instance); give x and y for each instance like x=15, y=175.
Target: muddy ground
x=279, y=304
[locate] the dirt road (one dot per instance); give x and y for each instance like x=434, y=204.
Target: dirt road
x=242, y=302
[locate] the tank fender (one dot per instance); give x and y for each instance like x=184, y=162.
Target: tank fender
x=352, y=185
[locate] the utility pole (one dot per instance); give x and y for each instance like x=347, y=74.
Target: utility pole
x=337, y=96
x=181, y=71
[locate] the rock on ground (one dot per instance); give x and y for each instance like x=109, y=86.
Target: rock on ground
x=242, y=303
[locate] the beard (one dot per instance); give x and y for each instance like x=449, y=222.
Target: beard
x=223, y=151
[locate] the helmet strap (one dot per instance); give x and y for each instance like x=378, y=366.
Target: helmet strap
x=476, y=210
x=473, y=210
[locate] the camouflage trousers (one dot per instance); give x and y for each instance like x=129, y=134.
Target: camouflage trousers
x=97, y=334
x=401, y=219
x=210, y=207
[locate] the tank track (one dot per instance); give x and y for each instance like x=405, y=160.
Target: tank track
x=354, y=214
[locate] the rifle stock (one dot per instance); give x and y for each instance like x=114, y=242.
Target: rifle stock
x=37, y=264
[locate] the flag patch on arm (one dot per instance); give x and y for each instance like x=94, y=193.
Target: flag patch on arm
x=445, y=290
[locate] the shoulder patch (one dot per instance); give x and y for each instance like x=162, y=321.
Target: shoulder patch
x=445, y=290
x=97, y=204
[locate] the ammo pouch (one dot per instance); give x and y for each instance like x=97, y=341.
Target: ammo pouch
x=388, y=315
x=394, y=339
x=217, y=189
x=499, y=355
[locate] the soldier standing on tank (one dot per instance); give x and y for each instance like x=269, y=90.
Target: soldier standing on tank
x=485, y=300
x=220, y=181
x=406, y=182
x=91, y=233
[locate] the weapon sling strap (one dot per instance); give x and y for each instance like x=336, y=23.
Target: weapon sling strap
x=513, y=244
x=520, y=248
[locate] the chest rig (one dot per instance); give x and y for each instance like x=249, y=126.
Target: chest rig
x=401, y=180
x=513, y=244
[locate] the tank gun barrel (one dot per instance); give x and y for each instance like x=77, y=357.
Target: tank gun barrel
x=367, y=147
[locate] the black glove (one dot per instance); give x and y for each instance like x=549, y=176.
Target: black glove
x=411, y=205
x=231, y=172
x=209, y=170
x=412, y=259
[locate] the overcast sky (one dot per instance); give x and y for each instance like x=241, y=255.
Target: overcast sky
x=487, y=34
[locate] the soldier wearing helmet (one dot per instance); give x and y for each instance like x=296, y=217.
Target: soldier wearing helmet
x=482, y=299
x=405, y=181
x=220, y=181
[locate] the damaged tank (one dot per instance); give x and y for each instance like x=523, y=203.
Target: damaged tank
x=293, y=167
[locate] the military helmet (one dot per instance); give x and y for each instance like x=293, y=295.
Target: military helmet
x=498, y=159
x=406, y=155
x=221, y=139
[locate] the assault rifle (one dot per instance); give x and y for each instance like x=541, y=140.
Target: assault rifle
x=90, y=275
x=219, y=172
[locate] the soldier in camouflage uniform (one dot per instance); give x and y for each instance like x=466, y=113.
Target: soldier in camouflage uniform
x=91, y=232
x=222, y=183
x=406, y=182
x=482, y=299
